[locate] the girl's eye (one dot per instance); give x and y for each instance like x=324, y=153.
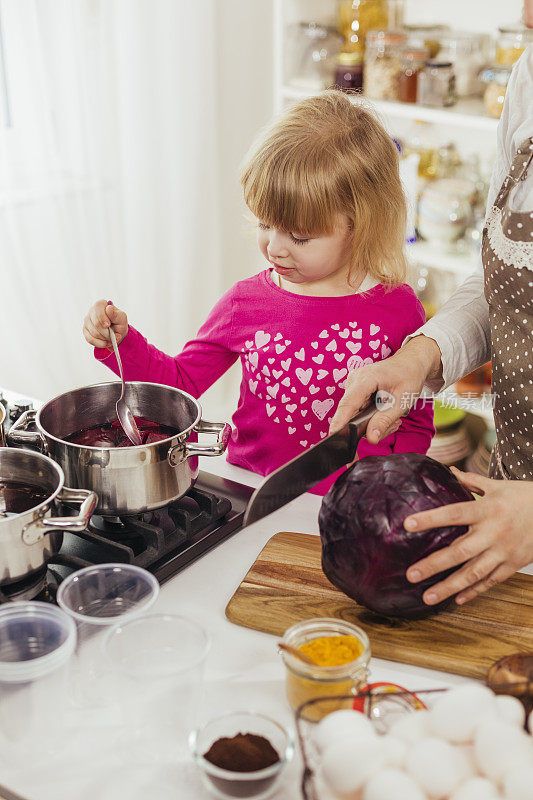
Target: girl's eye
x=296, y=240
x=262, y=226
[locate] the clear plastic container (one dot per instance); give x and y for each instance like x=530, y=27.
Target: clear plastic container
x=383, y=64
x=36, y=643
x=305, y=682
x=511, y=43
x=97, y=597
x=158, y=663
x=226, y=784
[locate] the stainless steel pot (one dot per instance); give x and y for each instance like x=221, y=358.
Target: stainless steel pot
x=128, y=480
x=29, y=539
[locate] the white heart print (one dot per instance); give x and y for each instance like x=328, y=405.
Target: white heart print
x=304, y=375
x=253, y=385
x=353, y=347
x=321, y=407
x=374, y=329
x=300, y=355
x=292, y=408
x=321, y=374
x=280, y=348
x=277, y=337
x=261, y=339
x=314, y=389
x=332, y=346
x=319, y=359
x=273, y=390
x=254, y=358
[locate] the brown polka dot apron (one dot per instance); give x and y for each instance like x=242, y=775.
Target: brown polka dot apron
x=507, y=254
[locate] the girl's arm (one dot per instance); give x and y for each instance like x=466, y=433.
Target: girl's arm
x=201, y=362
x=416, y=429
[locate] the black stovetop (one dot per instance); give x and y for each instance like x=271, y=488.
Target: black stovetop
x=163, y=541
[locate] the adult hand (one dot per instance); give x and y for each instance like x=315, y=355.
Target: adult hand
x=401, y=377
x=499, y=540
x=98, y=320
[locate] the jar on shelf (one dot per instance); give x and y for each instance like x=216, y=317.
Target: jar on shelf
x=511, y=43
x=425, y=36
x=468, y=53
x=357, y=17
x=496, y=79
x=383, y=64
x=422, y=138
x=445, y=210
x=311, y=50
x=413, y=60
x=349, y=71
x=436, y=84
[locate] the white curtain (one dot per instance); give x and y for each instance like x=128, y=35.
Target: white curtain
x=108, y=179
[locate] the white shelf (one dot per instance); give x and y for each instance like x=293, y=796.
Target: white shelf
x=468, y=112
x=461, y=264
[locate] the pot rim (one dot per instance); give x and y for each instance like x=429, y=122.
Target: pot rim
x=182, y=434
x=45, y=503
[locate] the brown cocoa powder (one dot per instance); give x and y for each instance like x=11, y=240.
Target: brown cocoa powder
x=244, y=752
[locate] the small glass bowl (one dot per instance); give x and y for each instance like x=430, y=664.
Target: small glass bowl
x=226, y=784
x=308, y=681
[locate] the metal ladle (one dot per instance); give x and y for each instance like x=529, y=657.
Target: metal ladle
x=125, y=417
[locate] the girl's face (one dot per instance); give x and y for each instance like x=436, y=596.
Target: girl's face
x=313, y=261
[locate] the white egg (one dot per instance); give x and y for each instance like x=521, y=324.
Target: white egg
x=437, y=766
x=500, y=747
x=476, y=789
x=456, y=713
x=511, y=710
x=411, y=727
x=518, y=783
x=340, y=724
x=392, y=783
x=395, y=749
x=346, y=766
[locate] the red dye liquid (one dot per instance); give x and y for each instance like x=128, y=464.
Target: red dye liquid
x=111, y=434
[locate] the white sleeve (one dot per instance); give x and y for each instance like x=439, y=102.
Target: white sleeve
x=462, y=331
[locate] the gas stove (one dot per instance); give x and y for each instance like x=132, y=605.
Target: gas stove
x=163, y=541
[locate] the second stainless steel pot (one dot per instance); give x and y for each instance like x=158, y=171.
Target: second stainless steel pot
x=29, y=539
x=128, y=480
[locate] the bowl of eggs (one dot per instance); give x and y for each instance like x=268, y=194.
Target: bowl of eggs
x=470, y=744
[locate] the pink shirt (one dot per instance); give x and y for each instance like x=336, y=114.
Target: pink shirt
x=295, y=353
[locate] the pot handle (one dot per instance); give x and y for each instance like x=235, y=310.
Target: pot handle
x=18, y=434
x=39, y=528
x=180, y=452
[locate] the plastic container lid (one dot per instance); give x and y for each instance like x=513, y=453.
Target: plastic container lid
x=35, y=639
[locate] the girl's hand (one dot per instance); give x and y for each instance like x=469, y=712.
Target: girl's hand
x=98, y=320
x=499, y=540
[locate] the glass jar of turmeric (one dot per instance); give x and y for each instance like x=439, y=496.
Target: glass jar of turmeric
x=341, y=652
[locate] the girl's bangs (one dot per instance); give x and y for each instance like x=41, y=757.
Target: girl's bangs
x=289, y=199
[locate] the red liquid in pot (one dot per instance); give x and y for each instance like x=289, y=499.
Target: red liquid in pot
x=112, y=435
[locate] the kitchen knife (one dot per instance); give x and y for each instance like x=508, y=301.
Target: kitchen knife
x=306, y=470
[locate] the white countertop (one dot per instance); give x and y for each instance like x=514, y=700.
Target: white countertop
x=244, y=670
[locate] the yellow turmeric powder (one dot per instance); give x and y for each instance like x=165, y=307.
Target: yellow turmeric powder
x=332, y=651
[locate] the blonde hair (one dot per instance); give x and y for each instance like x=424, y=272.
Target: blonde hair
x=325, y=156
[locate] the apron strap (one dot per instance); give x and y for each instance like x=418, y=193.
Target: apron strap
x=518, y=171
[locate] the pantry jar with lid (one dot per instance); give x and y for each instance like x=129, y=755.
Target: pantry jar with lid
x=311, y=50
x=413, y=60
x=496, y=79
x=383, y=64
x=436, y=84
x=349, y=71
x=468, y=53
x=357, y=17
x=425, y=36
x=511, y=43
x=341, y=652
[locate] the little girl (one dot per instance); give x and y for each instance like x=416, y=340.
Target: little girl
x=323, y=184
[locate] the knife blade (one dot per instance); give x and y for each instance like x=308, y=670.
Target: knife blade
x=309, y=468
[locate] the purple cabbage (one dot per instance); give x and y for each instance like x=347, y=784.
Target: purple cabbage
x=365, y=548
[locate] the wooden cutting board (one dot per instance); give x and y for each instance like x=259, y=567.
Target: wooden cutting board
x=286, y=584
